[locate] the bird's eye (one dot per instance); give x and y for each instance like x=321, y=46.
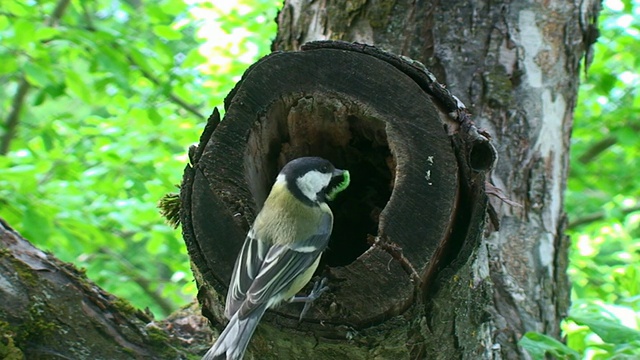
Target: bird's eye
x=324, y=168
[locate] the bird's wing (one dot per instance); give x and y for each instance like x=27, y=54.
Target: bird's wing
x=282, y=265
x=246, y=269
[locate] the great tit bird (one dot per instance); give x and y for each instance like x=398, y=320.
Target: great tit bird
x=281, y=251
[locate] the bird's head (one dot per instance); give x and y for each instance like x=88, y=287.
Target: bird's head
x=313, y=180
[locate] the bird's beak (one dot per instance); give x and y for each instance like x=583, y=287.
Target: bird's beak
x=337, y=172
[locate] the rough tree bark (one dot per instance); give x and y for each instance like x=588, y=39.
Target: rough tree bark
x=50, y=310
x=516, y=66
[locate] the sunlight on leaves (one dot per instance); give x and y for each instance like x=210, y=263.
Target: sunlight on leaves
x=117, y=93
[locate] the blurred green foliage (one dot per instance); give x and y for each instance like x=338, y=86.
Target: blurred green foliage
x=114, y=93
x=603, y=199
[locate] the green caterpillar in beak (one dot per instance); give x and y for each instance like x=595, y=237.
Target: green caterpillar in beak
x=339, y=187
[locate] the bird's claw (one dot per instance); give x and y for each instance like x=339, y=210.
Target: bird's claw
x=318, y=289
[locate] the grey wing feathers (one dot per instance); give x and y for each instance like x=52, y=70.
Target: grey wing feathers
x=246, y=269
x=262, y=270
x=233, y=341
x=281, y=267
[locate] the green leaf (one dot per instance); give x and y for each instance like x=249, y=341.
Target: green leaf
x=16, y=8
x=8, y=64
x=46, y=33
x=140, y=60
x=167, y=32
x=4, y=23
x=606, y=83
x=54, y=90
x=154, y=116
x=627, y=136
x=36, y=226
x=173, y=7
x=609, y=330
x=23, y=32
x=77, y=86
x=114, y=63
x=539, y=345
x=36, y=75
x=40, y=97
x=194, y=58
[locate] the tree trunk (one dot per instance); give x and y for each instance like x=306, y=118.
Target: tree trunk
x=516, y=66
x=50, y=310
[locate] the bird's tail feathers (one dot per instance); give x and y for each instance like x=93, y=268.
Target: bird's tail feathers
x=233, y=341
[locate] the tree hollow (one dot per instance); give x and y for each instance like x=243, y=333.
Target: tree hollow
x=363, y=114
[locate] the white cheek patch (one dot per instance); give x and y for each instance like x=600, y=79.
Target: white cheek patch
x=311, y=183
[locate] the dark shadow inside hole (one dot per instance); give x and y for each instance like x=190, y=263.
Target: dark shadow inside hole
x=357, y=209
x=357, y=143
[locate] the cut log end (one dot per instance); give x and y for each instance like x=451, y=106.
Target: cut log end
x=365, y=114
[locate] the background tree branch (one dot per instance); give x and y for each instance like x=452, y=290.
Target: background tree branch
x=13, y=118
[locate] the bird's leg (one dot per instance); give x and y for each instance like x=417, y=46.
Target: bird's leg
x=319, y=288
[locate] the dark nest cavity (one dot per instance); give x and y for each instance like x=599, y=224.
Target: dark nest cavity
x=338, y=130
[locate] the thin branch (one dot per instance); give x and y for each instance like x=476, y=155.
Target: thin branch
x=174, y=98
x=597, y=148
x=61, y=6
x=396, y=253
x=491, y=189
x=13, y=119
x=145, y=284
x=589, y=218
